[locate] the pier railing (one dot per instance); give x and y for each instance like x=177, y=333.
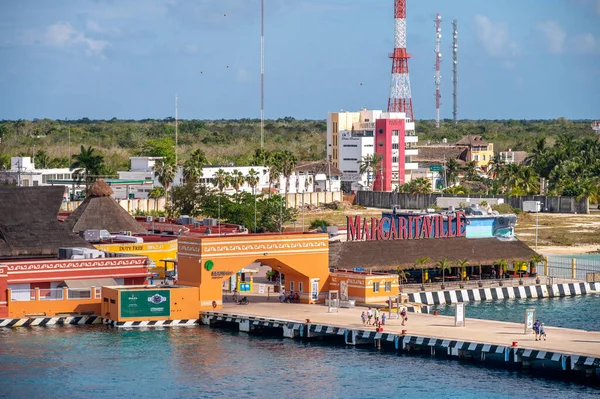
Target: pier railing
x=27, y=302
x=564, y=269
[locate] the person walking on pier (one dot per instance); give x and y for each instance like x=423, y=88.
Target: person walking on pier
x=536, y=329
x=377, y=314
x=383, y=318
x=403, y=316
x=542, y=332
x=369, y=316
x=363, y=317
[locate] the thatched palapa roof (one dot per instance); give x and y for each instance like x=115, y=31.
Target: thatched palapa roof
x=100, y=211
x=28, y=223
x=388, y=255
x=318, y=167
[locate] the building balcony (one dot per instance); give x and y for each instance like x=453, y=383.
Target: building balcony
x=411, y=151
x=411, y=166
x=411, y=139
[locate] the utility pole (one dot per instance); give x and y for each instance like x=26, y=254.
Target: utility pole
x=262, y=73
x=438, y=61
x=176, y=132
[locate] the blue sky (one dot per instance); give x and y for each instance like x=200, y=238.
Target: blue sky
x=533, y=59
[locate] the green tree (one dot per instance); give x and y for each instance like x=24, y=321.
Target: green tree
x=444, y=264
x=287, y=162
x=237, y=180
x=164, y=148
x=223, y=178
x=452, y=171
x=192, y=168
x=420, y=264
x=165, y=173
x=462, y=264
x=157, y=192
x=87, y=164
x=370, y=164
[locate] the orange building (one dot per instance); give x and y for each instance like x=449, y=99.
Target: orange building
x=364, y=288
x=205, y=262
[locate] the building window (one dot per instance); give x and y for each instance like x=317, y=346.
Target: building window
x=394, y=159
x=475, y=157
x=35, y=182
x=388, y=286
x=381, y=143
x=395, y=146
x=350, y=145
x=350, y=171
x=395, y=132
x=292, y=286
x=350, y=159
x=375, y=287
x=300, y=286
x=484, y=157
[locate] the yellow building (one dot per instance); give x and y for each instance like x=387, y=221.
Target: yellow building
x=479, y=150
x=364, y=288
x=156, y=248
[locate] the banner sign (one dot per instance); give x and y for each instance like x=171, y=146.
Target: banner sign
x=150, y=303
x=406, y=227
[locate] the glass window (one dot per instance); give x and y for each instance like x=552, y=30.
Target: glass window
x=394, y=159
x=300, y=286
x=388, y=286
x=292, y=286
x=484, y=157
x=395, y=146
x=375, y=287
x=395, y=132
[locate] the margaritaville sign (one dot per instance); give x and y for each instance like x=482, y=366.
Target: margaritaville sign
x=406, y=227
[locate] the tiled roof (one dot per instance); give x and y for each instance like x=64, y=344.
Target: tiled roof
x=436, y=153
x=472, y=140
x=318, y=167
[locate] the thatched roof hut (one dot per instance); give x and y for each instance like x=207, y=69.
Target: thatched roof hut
x=99, y=211
x=388, y=255
x=28, y=223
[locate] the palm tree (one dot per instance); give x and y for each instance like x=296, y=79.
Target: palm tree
x=419, y=264
x=401, y=276
x=237, y=180
x=87, y=164
x=252, y=179
x=260, y=157
x=444, y=264
x=462, y=264
x=165, y=173
x=420, y=186
x=536, y=259
x=369, y=164
x=192, y=168
x=287, y=162
x=452, y=171
x=222, y=178
x=471, y=171
x=502, y=264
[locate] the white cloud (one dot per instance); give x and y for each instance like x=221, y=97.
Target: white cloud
x=585, y=43
x=94, y=27
x=63, y=35
x=554, y=36
x=495, y=39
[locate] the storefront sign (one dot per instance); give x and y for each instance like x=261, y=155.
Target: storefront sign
x=221, y=274
x=146, y=303
x=409, y=227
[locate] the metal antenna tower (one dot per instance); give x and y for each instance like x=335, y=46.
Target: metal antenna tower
x=400, y=97
x=455, y=70
x=438, y=61
x=176, y=130
x=262, y=73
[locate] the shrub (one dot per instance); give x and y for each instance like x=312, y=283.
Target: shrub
x=503, y=208
x=319, y=224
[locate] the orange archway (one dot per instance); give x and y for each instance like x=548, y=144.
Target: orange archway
x=204, y=262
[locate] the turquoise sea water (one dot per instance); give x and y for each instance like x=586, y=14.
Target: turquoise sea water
x=580, y=312
x=97, y=361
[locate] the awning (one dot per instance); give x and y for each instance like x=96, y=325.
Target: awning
x=86, y=284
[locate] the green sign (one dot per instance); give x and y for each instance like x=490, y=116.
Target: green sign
x=436, y=168
x=151, y=303
x=209, y=265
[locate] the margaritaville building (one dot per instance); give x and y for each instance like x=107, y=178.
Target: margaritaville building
x=368, y=266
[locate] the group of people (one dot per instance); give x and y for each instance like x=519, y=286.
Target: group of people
x=379, y=317
x=539, y=330
x=292, y=297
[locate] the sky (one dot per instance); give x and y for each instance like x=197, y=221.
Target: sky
x=534, y=59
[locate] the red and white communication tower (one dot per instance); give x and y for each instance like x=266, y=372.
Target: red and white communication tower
x=438, y=61
x=400, y=98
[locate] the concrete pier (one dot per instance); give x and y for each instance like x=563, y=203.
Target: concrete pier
x=504, y=344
